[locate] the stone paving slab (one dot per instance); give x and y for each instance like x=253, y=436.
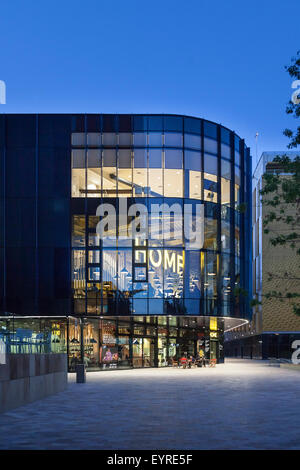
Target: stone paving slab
x=239, y=405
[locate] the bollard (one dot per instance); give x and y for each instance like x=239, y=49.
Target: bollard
x=80, y=373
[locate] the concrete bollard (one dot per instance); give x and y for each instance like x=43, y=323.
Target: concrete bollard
x=80, y=373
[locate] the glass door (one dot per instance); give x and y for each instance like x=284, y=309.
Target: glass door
x=162, y=352
x=149, y=352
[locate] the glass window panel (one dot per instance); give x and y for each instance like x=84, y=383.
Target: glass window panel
x=173, y=140
x=155, y=182
x=225, y=151
x=125, y=271
x=155, y=273
x=155, y=158
x=140, y=182
x=225, y=235
x=173, y=272
x=124, y=158
x=192, y=125
x=139, y=308
x=109, y=158
x=237, y=240
x=78, y=274
x=237, y=174
x=94, y=158
x=225, y=169
x=210, y=234
x=210, y=164
x=78, y=230
x=225, y=192
x=94, y=182
x=173, y=183
x=237, y=143
x=125, y=182
x=155, y=139
x=192, y=160
x=237, y=158
x=125, y=138
x=210, y=275
x=155, y=231
x=173, y=159
x=139, y=123
x=172, y=228
x=140, y=139
x=210, y=188
x=94, y=273
x=140, y=158
x=210, y=129
x=78, y=138
x=192, y=275
x=109, y=139
x=109, y=182
x=194, y=184
x=192, y=306
x=140, y=274
x=109, y=270
x=94, y=256
x=192, y=141
x=78, y=158
x=155, y=123
x=78, y=182
x=225, y=136
x=210, y=145
x=93, y=173
x=156, y=306
x=173, y=123
x=94, y=139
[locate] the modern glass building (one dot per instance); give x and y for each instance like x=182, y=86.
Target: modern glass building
x=122, y=302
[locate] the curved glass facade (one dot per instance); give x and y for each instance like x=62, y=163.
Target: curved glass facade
x=160, y=159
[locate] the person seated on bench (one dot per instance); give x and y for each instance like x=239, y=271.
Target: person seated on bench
x=191, y=361
x=184, y=361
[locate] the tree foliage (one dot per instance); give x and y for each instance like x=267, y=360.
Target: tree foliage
x=293, y=108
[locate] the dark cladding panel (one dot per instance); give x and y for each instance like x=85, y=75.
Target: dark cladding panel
x=21, y=130
x=109, y=123
x=20, y=223
x=20, y=172
x=53, y=223
x=62, y=282
x=125, y=124
x=54, y=130
x=46, y=273
x=2, y=130
x=20, y=280
x=93, y=123
x=54, y=172
x=78, y=124
x=173, y=123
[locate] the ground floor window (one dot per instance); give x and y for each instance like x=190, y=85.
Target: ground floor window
x=136, y=342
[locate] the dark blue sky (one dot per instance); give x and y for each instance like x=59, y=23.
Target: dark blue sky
x=222, y=60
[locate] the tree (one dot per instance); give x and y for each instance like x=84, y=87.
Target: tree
x=281, y=195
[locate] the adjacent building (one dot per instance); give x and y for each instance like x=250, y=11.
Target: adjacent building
x=274, y=325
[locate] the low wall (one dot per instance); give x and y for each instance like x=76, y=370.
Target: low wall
x=29, y=377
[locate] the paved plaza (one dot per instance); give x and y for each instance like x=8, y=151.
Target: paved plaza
x=239, y=405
